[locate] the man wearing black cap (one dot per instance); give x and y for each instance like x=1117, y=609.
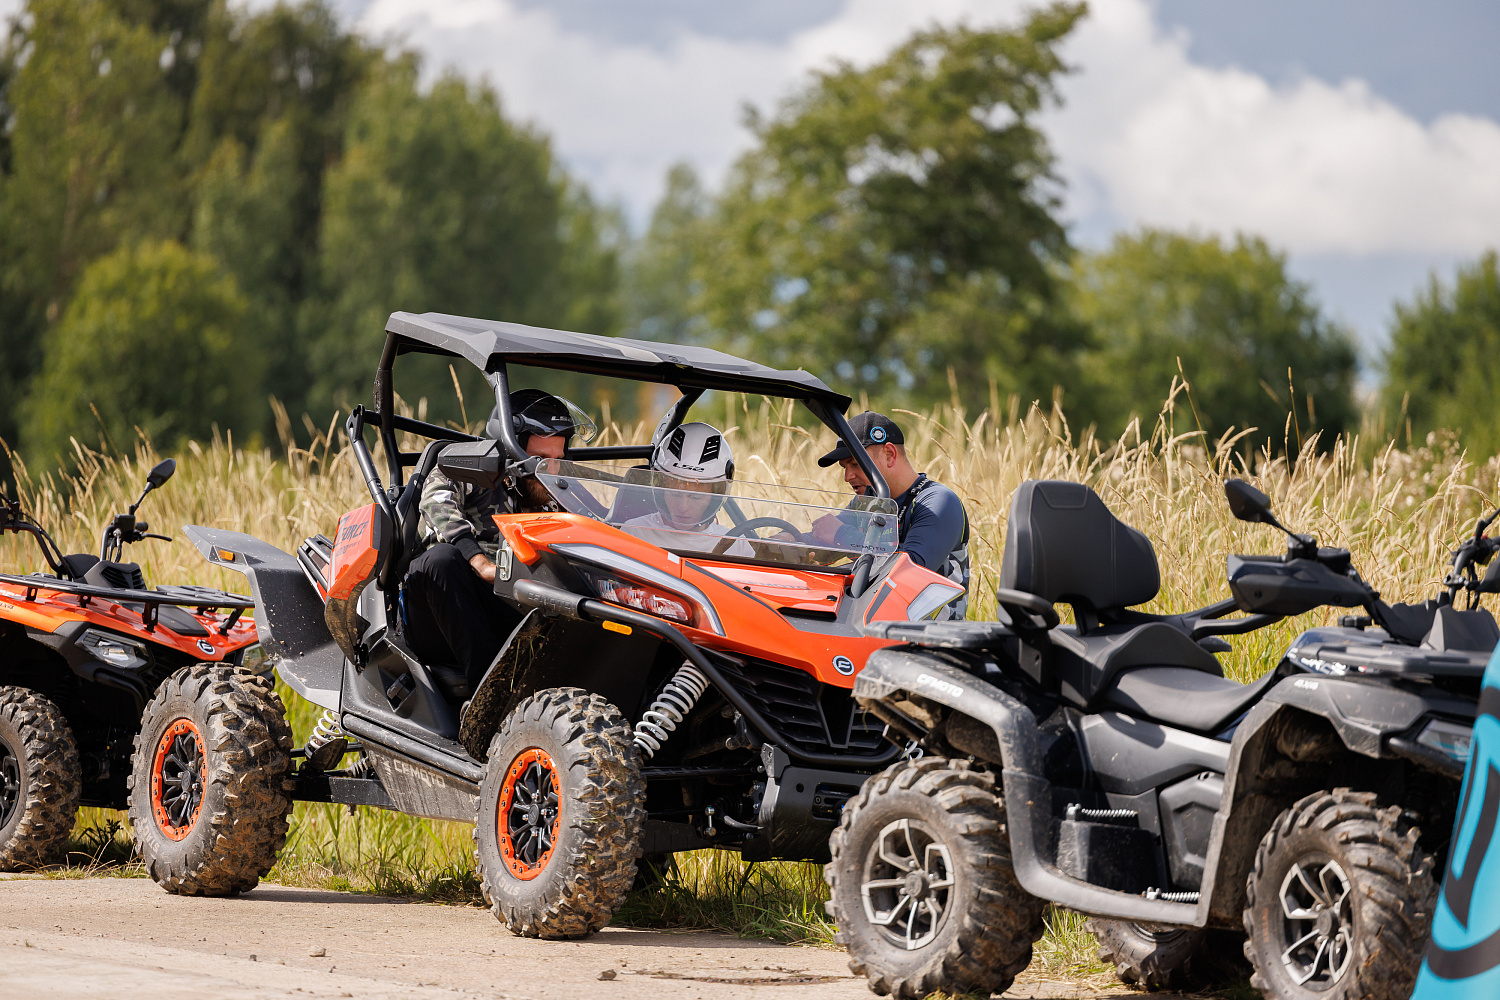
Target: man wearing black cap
x=934, y=529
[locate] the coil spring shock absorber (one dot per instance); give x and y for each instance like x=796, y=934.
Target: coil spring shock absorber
x=669, y=709
x=327, y=744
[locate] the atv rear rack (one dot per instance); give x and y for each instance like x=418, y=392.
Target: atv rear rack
x=202, y=598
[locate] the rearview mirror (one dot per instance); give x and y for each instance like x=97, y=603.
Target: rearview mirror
x=1247, y=503
x=478, y=463
x=161, y=472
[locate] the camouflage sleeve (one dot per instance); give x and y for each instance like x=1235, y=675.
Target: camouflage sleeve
x=443, y=515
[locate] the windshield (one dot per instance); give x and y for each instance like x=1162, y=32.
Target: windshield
x=735, y=520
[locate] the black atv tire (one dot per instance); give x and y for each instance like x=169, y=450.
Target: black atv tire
x=1365, y=862
x=982, y=936
x=210, y=784
x=571, y=859
x=40, y=780
x=1149, y=956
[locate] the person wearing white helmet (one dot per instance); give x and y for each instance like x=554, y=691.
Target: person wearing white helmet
x=692, y=468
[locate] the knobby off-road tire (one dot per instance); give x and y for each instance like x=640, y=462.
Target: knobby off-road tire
x=939, y=827
x=40, y=780
x=1147, y=955
x=561, y=809
x=210, y=784
x=1365, y=887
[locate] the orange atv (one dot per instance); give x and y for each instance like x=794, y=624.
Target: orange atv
x=89, y=657
x=665, y=691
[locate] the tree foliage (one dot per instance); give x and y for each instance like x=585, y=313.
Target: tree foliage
x=155, y=338
x=898, y=221
x=1246, y=335
x=1442, y=369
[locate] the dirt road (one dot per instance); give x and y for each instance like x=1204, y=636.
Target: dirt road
x=125, y=939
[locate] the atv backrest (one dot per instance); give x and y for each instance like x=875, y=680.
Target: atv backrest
x=1064, y=545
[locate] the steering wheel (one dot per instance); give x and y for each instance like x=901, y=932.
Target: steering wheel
x=752, y=525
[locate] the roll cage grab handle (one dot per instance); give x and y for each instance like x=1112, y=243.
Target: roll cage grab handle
x=499, y=379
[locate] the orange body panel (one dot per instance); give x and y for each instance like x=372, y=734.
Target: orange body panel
x=747, y=604
x=355, y=552
x=53, y=609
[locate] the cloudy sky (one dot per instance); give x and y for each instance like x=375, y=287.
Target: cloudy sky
x=1359, y=135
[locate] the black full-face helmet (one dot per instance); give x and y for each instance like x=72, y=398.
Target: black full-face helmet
x=533, y=411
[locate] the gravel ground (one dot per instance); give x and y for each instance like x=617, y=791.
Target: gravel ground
x=122, y=939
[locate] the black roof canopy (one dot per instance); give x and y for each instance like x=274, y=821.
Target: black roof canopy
x=490, y=344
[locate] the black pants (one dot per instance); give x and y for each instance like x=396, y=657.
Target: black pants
x=454, y=616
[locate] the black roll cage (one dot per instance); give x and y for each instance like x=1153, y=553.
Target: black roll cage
x=828, y=406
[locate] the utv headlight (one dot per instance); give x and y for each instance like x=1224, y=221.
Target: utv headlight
x=633, y=584
x=114, y=650
x=1451, y=738
x=933, y=598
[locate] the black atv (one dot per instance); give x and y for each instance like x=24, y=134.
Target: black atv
x=1110, y=768
x=84, y=650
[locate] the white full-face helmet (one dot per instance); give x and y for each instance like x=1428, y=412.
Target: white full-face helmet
x=693, y=458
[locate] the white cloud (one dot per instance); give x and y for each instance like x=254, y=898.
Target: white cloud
x=1146, y=136
x=1313, y=166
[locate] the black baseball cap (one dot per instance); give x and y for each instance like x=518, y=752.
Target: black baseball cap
x=870, y=428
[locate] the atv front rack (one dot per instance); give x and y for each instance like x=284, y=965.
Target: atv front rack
x=202, y=598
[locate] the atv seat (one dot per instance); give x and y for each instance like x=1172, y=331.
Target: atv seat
x=1182, y=697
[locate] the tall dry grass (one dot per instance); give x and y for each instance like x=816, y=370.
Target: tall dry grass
x=1398, y=511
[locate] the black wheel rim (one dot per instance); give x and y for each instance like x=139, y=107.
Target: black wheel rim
x=530, y=812
x=907, y=880
x=1317, y=922
x=177, y=779
x=10, y=783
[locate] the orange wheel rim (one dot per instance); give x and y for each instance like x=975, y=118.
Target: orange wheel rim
x=528, y=816
x=179, y=774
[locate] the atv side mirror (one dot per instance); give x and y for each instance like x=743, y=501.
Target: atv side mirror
x=478, y=463
x=1248, y=503
x=161, y=472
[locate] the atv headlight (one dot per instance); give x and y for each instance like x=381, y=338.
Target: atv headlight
x=254, y=656
x=1451, y=738
x=114, y=650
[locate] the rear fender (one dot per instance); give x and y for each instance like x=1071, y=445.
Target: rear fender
x=288, y=611
x=1028, y=793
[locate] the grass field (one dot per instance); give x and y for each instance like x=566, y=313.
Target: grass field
x=1399, y=510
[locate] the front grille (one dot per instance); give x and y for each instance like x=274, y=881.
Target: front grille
x=807, y=713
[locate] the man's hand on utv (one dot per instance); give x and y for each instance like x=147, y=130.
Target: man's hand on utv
x=826, y=528
x=483, y=567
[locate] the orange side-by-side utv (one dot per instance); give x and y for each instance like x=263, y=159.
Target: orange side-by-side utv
x=90, y=660
x=665, y=690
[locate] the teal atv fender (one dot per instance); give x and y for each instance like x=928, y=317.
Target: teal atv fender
x=1463, y=957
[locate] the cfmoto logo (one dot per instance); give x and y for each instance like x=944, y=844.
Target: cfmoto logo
x=843, y=665
x=877, y=434
x=206, y=646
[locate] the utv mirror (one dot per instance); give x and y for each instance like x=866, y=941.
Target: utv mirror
x=1248, y=503
x=478, y=463
x=161, y=472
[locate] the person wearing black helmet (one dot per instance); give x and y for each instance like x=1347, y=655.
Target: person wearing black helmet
x=452, y=613
x=933, y=526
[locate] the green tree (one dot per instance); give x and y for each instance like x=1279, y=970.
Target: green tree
x=898, y=221
x=155, y=338
x=440, y=203
x=1235, y=319
x=659, y=284
x=1442, y=368
x=87, y=162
